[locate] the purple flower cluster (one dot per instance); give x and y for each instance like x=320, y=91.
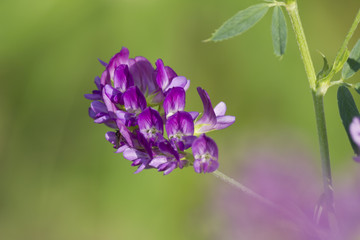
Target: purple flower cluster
x=138, y=102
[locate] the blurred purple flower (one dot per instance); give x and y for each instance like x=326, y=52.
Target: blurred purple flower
x=138, y=101
x=290, y=181
x=354, y=130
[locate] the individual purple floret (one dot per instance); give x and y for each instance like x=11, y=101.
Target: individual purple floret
x=166, y=78
x=212, y=119
x=151, y=124
x=174, y=101
x=122, y=78
x=180, y=129
x=206, y=154
x=134, y=100
x=354, y=130
x=139, y=102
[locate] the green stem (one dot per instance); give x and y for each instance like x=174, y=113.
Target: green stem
x=293, y=12
x=348, y=37
x=324, y=148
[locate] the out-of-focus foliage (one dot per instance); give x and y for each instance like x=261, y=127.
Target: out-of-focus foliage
x=59, y=177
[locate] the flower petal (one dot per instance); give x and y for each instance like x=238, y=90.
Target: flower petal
x=122, y=149
x=167, y=148
x=142, y=71
x=150, y=123
x=102, y=62
x=132, y=154
x=224, y=122
x=174, y=101
x=162, y=78
x=102, y=119
x=220, y=109
x=112, y=138
x=111, y=108
x=97, y=82
x=180, y=124
x=194, y=115
x=122, y=78
x=170, y=168
x=98, y=107
x=221, y=123
x=178, y=81
x=134, y=100
x=157, y=161
x=124, y=131
x=93, y=96
x=187, y=85
x=354, y=130
x=120, y=58
x=92, y=114
x=208, y=116
x=164, y=75
x=113, y=94
x=145, y=144
x=205, y=153
x=140, y=168
x=105, y=78
x=357, y=159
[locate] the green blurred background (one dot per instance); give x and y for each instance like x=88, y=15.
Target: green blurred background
x=59, y=177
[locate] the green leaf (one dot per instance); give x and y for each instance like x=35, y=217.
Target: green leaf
x=339, y=63
x=357, y=88
x=352, y=64
x=279, y=31
x=348, y=111
x=241, y=22
x=325, y=69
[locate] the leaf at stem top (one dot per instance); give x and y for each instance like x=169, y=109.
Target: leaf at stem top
x=279, y=31
x=352, y=64
x=348, y=111
x=240, y=22
x=339, y=62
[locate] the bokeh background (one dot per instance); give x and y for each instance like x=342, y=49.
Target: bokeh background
x=59, y=177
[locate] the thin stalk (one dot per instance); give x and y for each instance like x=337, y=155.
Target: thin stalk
x=293, y=12
x=297, y=219
x=243, y=189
